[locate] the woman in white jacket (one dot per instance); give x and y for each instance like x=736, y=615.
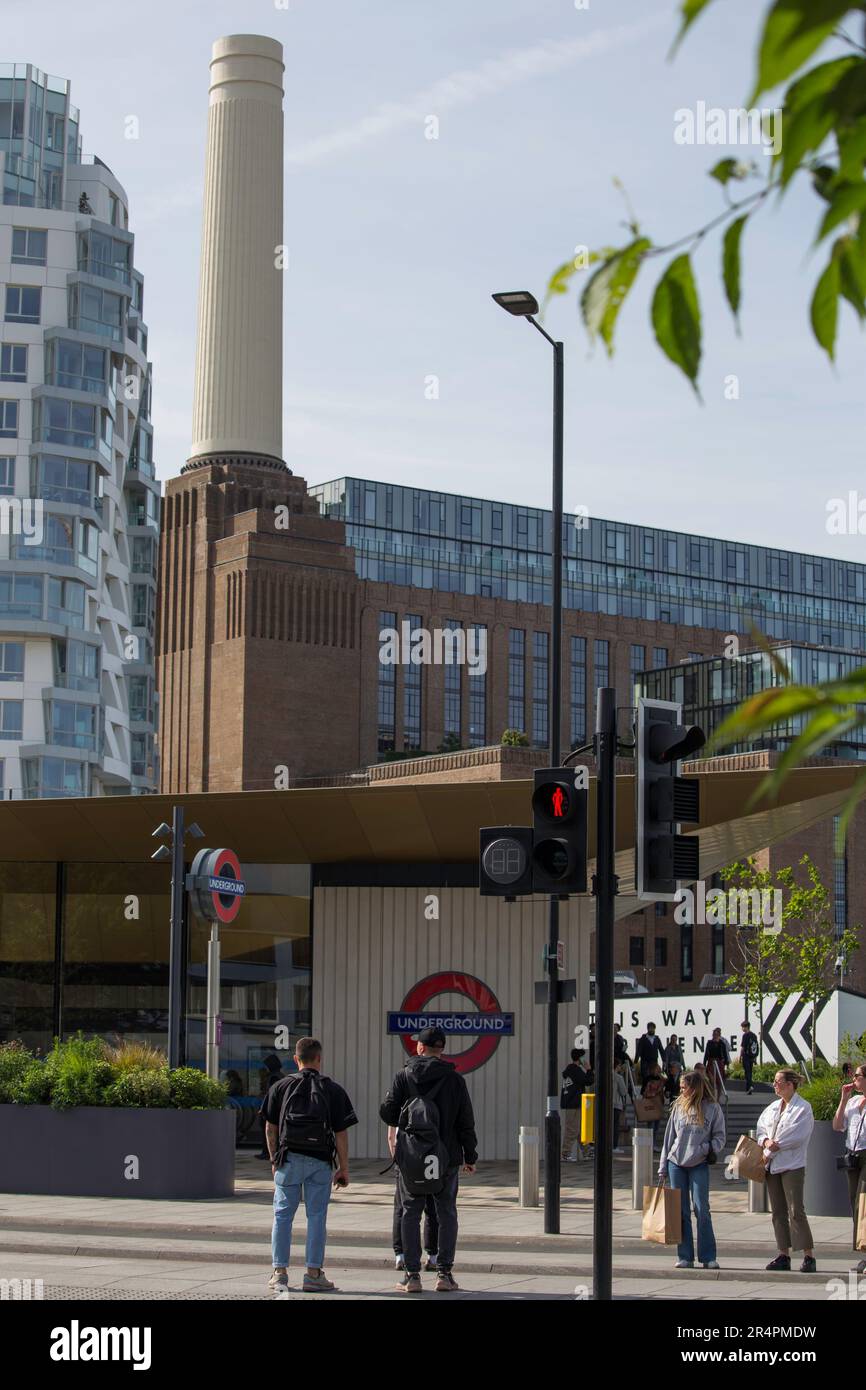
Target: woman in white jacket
x=784, y=1131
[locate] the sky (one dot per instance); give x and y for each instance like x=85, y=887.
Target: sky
x=397, y=241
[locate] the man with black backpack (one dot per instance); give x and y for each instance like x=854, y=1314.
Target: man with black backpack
x=307, y=1118
x=429, y=1104
x=748, y=1053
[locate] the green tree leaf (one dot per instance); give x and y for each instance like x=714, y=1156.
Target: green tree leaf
x=690, y=11
x=728, y=169
x=731, y=265
x=849, y=198
x=676, y=317
x=793, y=31
x=852, y=274
x=824, y=311
x=603, y=297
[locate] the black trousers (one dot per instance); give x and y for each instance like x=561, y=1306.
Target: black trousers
x=857, y=1186
x=748, y=1064
x=445, y=1203
x=431, y=1224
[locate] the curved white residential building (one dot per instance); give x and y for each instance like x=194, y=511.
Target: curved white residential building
x=79, y=502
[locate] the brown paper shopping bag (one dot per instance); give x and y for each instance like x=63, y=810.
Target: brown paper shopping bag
x=748, y=1159
x=860, y=1242
x=662, y=1215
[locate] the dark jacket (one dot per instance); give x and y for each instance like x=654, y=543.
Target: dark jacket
x=649, y=1050
x=456, y=1119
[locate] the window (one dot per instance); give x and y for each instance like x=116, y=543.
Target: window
x=661, y=950
x=13, y=362
x=660, y=658
x=56, y=546
x=29, y=247
x=66, y=602
x=7, y=476
x=8, y=419
x=64, y=422
x=661, y=909
x=11, y=718
x=387, y=692
x=578, y=691
x=637, y=664
x=412, y=673
x=103, y=255
x=21, y=596
x=71, y=724
x=540, y=696
x=516, y=679
x=11, y=661
x=601, y=655
x=96, y=311
x=635, y=950
x=686, y=952
x=76, y=666
x=75, y=366
x=478, y=688
x=144, y=555
x=718, y=947
x=63, y=480
x=140, y=707
x=453, y=686
x=23, y=303
x=53, y=777
x=840, y=882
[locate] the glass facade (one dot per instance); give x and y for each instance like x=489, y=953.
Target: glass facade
x=86, y=946
x=457, y=544
x=478, y=692
x=578, y=691
x=709, y=690
x=540, y=691
x=412, y=694
x=517, y=679
x=387, y=694
x=453, y=691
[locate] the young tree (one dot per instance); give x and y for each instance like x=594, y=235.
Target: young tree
x=817, y=944
x=765, y=948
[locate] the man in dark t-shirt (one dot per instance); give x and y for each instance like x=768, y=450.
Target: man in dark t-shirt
x=307, y=1119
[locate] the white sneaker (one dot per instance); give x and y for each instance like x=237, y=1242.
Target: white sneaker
x=279, y=1279
x=684, y=1264
x=619, y=1151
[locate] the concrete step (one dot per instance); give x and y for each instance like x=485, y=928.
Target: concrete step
x=649, y=1262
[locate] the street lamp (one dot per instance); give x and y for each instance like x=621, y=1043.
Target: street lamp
x=176, y=961
x=522, y=304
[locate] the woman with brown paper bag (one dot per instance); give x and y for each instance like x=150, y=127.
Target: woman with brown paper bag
x=694, y=1138
x=850, y=1118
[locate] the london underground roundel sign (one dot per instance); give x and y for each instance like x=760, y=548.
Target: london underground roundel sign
x=216, y=885
x=486, y=1021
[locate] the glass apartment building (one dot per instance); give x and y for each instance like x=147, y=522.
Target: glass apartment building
x=437, y=540
x=710, y=690
x=79, y=501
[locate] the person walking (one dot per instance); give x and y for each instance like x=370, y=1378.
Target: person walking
x=717, y=1059
x=574, y=1083
x=693, y=1139
x=850, y=1119
x=652, y=1088
x=783, y=1132
x=271, y=1072
x=648, y=1051
x=433, y=1086
x=620, y=1098
x=431, y=1221
x=675, y=1065
x=748, y=1053
x=620, y=1046
x=307, y=1119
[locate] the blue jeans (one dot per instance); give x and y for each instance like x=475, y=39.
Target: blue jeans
x=314, y=1176
x=694, y=1184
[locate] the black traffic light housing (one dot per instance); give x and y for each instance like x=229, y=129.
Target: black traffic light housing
x=505, y=862
x=663, y=857
x=559, y=815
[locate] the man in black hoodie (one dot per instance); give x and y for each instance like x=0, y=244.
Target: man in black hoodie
x=457, y=1131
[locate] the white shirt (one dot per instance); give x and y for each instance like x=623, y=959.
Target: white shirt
x=855, y=1124
x=792, y=1133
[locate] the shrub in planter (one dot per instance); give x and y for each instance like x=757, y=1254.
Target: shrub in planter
x=15, y=1059
x=33, y=1087
x=135, y=1056
x=823, y=1093
x=77, y=1072
x=144, y=1087
x=191, y=1089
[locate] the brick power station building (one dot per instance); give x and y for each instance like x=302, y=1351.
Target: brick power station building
x=273, y=594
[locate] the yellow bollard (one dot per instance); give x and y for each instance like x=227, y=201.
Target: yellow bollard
x=587, y=1118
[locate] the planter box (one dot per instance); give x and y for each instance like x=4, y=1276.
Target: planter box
x=96, y=1151
x=826, y=1189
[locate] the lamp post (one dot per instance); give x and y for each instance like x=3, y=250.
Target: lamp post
x=522, y=304
x=176, y=961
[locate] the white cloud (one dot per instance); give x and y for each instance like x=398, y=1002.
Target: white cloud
x=470, y=84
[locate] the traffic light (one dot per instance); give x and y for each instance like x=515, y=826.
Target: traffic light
x=663, y=857
x=558, y=832
x=505, y=865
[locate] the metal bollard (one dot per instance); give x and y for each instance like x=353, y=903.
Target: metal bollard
x=642, y=1165
x=757, y=1190
x=529, y=1171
